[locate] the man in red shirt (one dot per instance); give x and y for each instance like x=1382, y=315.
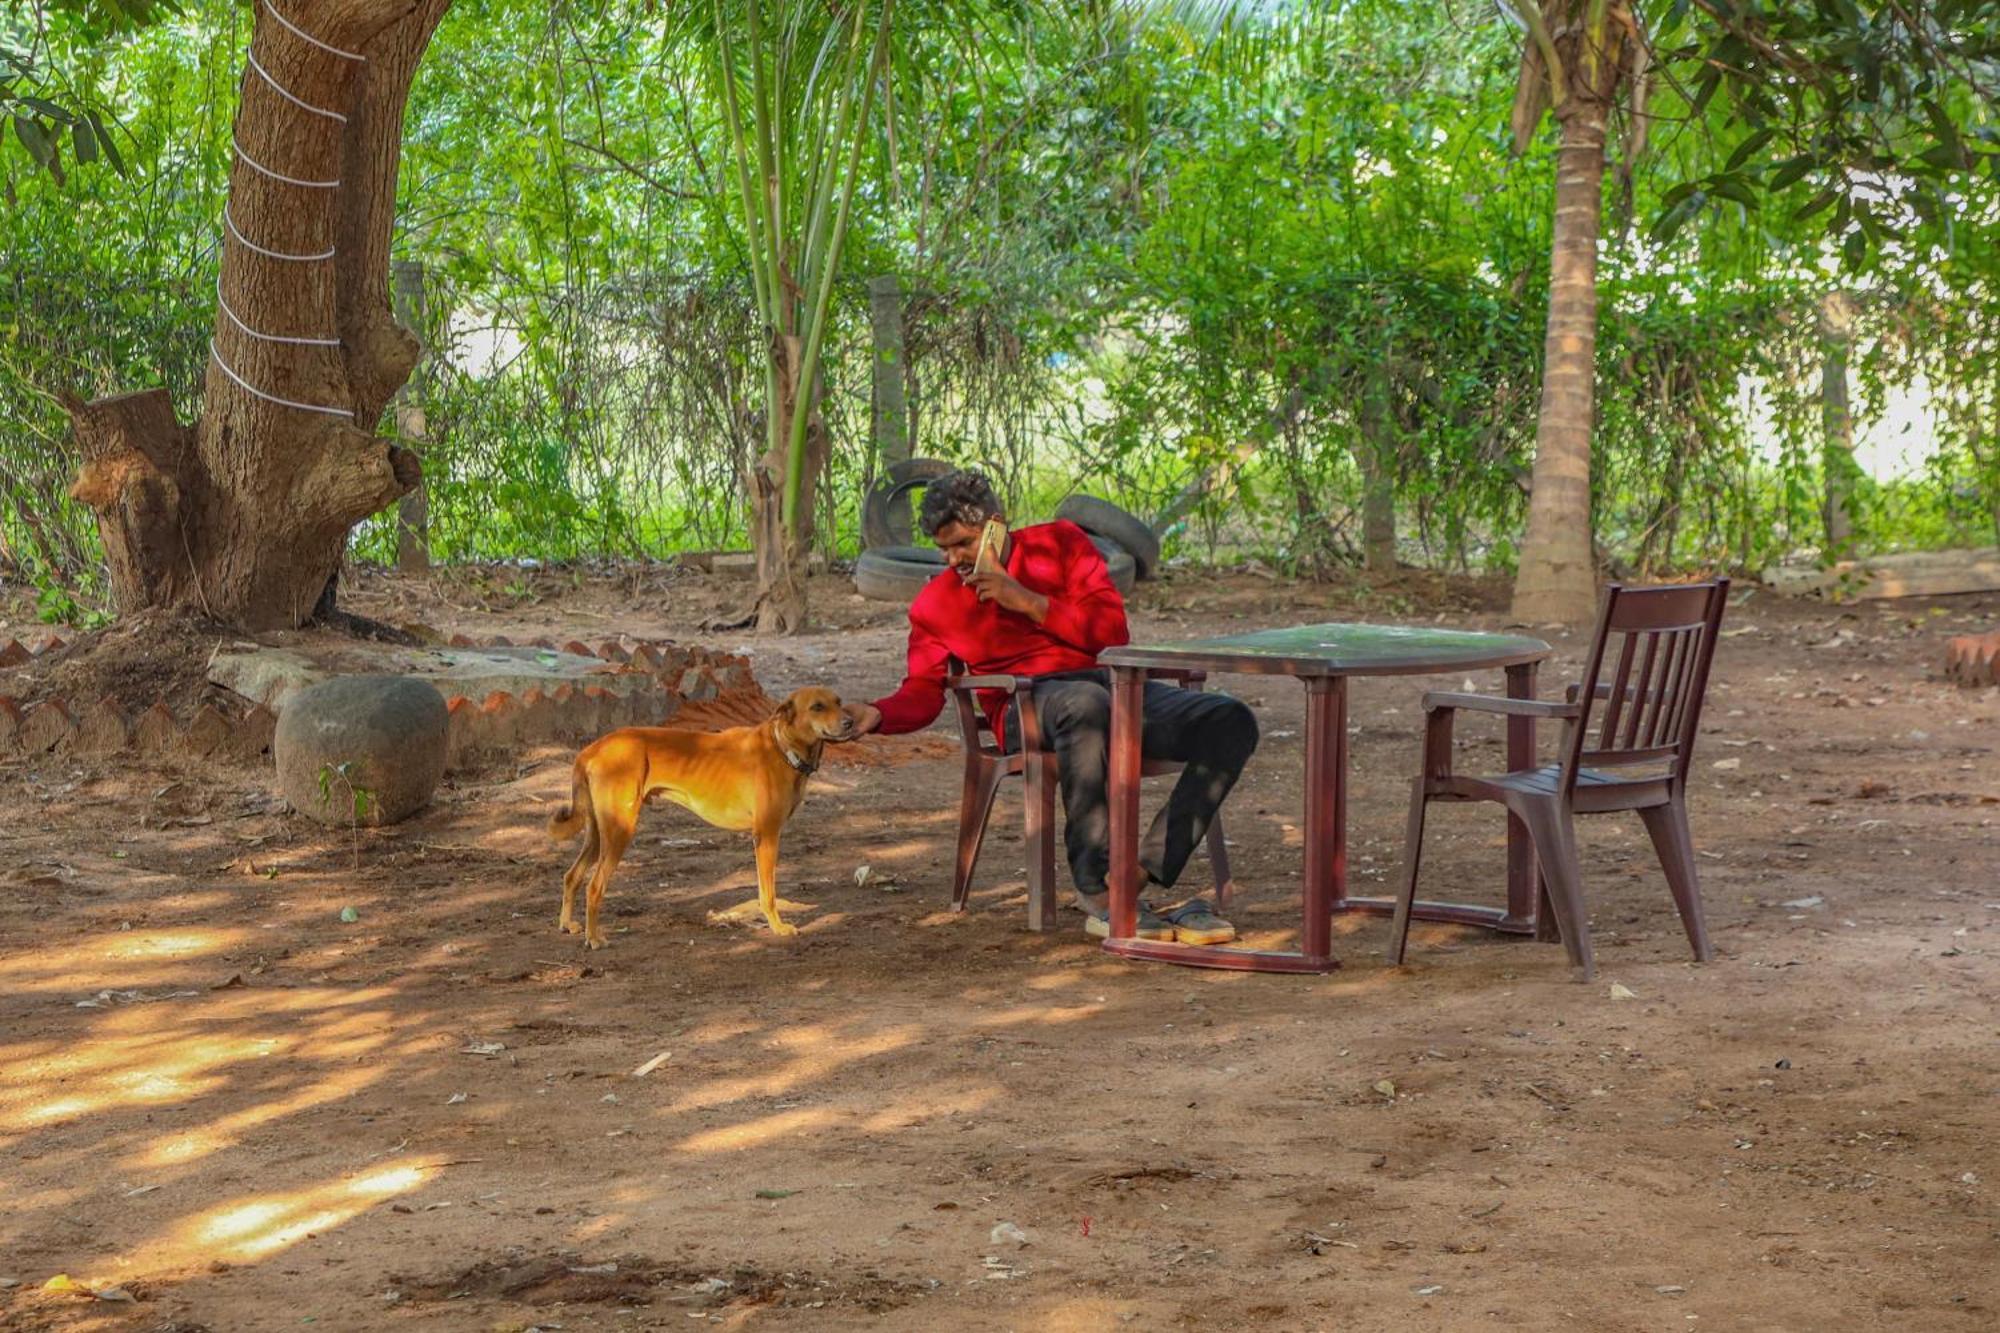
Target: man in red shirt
x=1047, y=612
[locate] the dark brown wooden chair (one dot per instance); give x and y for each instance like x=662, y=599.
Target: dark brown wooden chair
x=1633, y=755
x=987, y=765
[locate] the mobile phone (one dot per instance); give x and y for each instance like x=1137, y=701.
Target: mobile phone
x=991, y=539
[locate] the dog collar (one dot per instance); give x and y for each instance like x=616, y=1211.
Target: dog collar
x=794, y=760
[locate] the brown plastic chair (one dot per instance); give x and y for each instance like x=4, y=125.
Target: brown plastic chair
x=1652, y=706
x=986, y=765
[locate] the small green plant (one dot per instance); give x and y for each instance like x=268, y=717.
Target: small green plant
x=54, y=605
x=360, y=799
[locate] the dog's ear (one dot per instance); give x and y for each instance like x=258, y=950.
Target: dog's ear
x=788, y=712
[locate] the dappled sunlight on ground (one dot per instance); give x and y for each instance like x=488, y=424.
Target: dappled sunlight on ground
x=256, y=1226
x=433, y=1116
x=811, y=1053
x=127, y=960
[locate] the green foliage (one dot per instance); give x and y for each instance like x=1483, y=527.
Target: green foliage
x=1138, y=245
x=50, y=62
x=1880, y=114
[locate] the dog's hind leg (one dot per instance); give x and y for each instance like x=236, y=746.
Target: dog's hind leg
x=614, y=835
x=767, y=883
x=579, y=871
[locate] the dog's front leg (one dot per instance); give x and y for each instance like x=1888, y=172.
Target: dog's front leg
x=767, y=881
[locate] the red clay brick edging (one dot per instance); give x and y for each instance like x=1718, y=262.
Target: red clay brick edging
x=679, y=675
x=1972, y=660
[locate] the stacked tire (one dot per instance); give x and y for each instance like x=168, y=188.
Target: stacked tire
x=896, y=573
x=1125, y=532
x=891, y=567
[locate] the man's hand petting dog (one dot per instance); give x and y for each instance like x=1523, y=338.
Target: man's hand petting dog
x=867, y=720
x=997, y=585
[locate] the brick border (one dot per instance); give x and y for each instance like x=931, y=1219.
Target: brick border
x=678, y=674
x=1972, y=660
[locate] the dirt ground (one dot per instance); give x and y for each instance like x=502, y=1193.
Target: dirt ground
x=224, y=1102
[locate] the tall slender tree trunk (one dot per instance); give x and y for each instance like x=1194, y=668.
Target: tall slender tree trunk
x=413, y=511
x=1836, y=331
x=888, y=402
x=1557, y=579
x=784, y=549
x=245, y=514
x=1373, y=450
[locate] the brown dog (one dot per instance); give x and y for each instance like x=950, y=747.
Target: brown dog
x=743, y=778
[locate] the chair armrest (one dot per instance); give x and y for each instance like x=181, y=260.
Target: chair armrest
x=1439, y=701
x=969, y=718
x=1011, y=684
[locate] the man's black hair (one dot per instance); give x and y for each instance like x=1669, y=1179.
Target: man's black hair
x=964, y=497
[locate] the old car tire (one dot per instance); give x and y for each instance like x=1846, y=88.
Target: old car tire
x=1101, y=518
x=878, y=530
x=1124, y=570
x=887, y=579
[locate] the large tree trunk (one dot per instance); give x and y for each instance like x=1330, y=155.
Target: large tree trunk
x=1836, y=331
x=1557, y=579
x=245, y=515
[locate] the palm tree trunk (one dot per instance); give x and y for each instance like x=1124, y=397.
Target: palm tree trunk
x=1557, y=579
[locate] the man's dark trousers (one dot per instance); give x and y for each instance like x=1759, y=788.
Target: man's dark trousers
x=1213, y=735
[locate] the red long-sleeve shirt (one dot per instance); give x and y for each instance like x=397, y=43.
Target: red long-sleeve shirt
x=947, y=619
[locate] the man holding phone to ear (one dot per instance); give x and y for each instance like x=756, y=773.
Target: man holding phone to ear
x=1038, y=601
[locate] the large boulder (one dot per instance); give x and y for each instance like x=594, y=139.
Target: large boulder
x=380, y=739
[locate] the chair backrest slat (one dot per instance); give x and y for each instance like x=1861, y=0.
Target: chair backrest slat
x=1649, y=715
x=1676, y=709
x=1619, y=681
x=1673, y=672
x=1646, y=715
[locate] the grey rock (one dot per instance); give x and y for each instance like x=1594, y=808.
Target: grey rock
x=381, y=738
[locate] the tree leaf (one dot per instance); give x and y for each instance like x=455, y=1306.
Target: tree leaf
x=84, y=141
x=1735, y=188
x=60, y=115
x=1748, y=148
x=1819, y=203
x=1711, y=79
x=1791, y=171
x=104, y=140
x=34, y=138
x=1946, y=131
x=1676, y=217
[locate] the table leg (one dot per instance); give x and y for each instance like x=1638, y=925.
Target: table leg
x=1128, y=693
x=1523, y=878
x=1325, y=836
x=1325, y=823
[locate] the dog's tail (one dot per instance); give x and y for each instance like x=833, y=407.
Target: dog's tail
x=568, y=821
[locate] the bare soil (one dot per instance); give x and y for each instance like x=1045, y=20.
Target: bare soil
x=154, y=656
x=219, y=1099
